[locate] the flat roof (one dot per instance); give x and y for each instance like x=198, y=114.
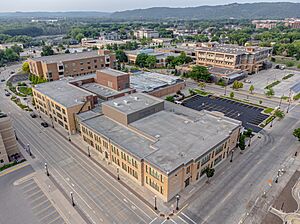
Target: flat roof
x=161, y=142
x=112, y=72
x=180, y=139
x=150, y=81
x=101, y=90
x=67, y=57
x=133, y=102
x=63, y=92
x=232, y=49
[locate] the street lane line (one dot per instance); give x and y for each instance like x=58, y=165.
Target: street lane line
x=153, y=220
x=14, y=168
x=188, y=218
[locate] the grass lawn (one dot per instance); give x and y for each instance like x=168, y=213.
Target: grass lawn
x=268, y=110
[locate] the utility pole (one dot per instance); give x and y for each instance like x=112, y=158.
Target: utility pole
x=72, y=199
x=155, y=206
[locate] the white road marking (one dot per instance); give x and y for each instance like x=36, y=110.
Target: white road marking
x=188, y=218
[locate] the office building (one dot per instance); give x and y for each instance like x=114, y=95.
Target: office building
x=8, y=143
x=161, y=57
x=55, y=67
x=250, y=59
x=146, y=33
x=159, y=145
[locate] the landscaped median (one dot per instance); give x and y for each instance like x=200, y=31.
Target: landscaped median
x=18, y=102
x=14, y=163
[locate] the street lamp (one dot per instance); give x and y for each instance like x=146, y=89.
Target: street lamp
x=271, y=125
x=28, y=150
x=118, y=175
x=225, y=90
x=250, y=140
x=89, y=154
x=72, y=199
x=16, y=134
x=276, y=180
x=288, y=108
x=69, y=138
x=155, y=206
x=46, y=169
x=231, y=155
x=177, y=202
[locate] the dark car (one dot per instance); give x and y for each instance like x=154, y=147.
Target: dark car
x=33, y=115
x=45, y=124
x=2, y=80
x=7, y=94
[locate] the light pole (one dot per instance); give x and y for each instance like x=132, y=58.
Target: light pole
x=28, y=150
x=16, y=134
x=231, y=155
x=177, y=202
x=276, y=180
x=288, y=108
x=72, y=199
x=225, y=90
x=89, y=154
x=250, y=140
x=69, y=138
x=280, y=101
x=118, y=174
x=155, y=207
x=46, y=169
x=272, y=122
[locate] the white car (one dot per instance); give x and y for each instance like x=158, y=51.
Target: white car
x=247, y=81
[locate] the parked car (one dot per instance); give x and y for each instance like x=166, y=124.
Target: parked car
x=7, y=94
x=33, y=115
x=248, y=81
x=2, y=80
x=45, y=124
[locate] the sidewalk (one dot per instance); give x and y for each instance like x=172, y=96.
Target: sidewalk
x=49, y=188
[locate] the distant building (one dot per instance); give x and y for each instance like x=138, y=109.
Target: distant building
x=161, y=57
x=293, y=23
x=9, y=45
x=8, y=143
x=101, y=42
x=161, y=42
x=55, y=67
x=146, y=33
x=250, y=59
x=266, y=24
x=159, y=145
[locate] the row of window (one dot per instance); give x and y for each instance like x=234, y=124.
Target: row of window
x=154, y=173
x=129, y=170
x=154, y=185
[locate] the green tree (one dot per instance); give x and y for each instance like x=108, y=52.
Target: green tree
x=279, y=113
x=237, y=85
x=210, y=172
x=251, y=89
x=202, y=85
x=141, y=60
x=151, y=61
x=270, y=92
x=25, y=67
x=47, y=50
x=231, y=95
x=79, y=37
x=199, y=73
x=170, y=99
x=296, y=133
x=241, y=143
x=121, y=56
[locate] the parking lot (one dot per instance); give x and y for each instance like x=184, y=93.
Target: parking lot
x=251, y=116
x=266, y=77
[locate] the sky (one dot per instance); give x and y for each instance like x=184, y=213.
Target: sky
x=107, y=5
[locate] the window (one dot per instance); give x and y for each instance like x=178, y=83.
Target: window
x=188, y=169
x=198, y=165
x=205, y=159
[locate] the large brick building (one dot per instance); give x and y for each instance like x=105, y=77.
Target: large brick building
x=55, y=67
x=250, y=59
x=161, y=146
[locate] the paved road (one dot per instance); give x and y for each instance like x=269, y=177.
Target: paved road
x=102, y=198
x=234, y=190
x=225, y=200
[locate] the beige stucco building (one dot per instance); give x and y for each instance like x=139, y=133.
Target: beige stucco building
x=8, y=143
x=55, y=67
x=250, y=59
x=61, y=100
x=161, y=146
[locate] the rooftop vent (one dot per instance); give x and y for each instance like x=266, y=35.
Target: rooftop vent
x=157, y=136
x=116, y=104
x=126, y=101
x=136, y=98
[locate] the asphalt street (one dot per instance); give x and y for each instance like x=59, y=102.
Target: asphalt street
x=100, y=197
x=225, y=200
